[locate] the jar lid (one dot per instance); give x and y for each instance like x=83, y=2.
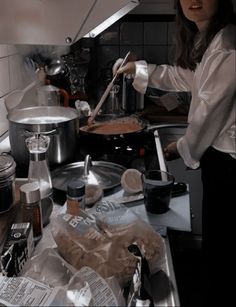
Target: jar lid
x=7, y=165
x=30, y=193
x=75, y=188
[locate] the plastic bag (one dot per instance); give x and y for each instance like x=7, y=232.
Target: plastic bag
x=71, y=287
x=100, y=238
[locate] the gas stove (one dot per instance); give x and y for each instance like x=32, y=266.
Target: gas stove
x=136, y=150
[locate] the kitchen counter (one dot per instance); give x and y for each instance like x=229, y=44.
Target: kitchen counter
x=163, y=283
x=164, y=288
x=177, y=218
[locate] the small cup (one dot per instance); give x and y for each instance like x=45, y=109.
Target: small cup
x=157, y=188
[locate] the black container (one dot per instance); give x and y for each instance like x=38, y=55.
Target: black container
x=157, y=188
x=31, y=210
x=7, y=182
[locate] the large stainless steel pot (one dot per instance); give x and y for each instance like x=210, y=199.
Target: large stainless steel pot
x=59, y=123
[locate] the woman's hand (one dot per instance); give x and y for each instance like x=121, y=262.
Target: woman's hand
x=128, y=68
x=171, y=152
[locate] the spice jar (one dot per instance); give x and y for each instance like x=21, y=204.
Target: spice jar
x=75, y=196
x=31, y=208
x=7, y=182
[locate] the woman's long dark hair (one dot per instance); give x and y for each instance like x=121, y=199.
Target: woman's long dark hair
x=186, y=54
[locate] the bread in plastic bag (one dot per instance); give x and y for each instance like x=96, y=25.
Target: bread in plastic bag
x=100, y=238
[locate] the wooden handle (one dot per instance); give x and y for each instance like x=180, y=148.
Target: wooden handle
x=65, y=97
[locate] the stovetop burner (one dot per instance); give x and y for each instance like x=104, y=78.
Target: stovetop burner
x=136, y=150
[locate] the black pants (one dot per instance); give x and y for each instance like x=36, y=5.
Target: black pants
x=218, y=220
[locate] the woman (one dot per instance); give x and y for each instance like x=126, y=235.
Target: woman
x=205, y=65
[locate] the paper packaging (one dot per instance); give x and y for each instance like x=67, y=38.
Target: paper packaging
x=18, y=247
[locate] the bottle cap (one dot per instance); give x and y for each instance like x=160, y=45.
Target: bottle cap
x=30, y=193
x=75, y=188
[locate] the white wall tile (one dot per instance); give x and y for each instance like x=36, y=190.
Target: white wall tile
x=16, y=71
x=11, y=49
x=4, y=77
x=3, y=117
x=13, y=75
x=3, y=51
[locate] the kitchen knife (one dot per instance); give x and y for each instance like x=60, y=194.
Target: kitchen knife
x=126, y=199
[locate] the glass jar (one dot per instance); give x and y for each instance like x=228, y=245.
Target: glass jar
x=31, y=208
x=75, y=196
x=7, y=182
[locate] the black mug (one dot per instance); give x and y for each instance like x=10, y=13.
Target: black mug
x=157, y=188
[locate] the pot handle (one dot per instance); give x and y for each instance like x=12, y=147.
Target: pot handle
x=28, y=133
x=65, y=97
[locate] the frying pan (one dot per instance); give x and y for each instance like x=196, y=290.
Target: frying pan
x=112, y=125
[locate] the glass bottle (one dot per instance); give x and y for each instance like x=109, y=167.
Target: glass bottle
x=39, y=171
x=31, y=208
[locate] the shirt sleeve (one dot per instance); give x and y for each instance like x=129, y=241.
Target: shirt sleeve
x=163, y=77
x=215, y=105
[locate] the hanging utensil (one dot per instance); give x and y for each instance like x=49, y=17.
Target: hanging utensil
x=106, y=93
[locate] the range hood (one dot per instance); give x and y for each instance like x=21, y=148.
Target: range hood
x=58, y=22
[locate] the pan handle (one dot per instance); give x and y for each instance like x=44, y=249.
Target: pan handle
x=167, y=125
x=87, y=164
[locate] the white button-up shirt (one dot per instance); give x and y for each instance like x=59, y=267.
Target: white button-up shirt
x=212, y=114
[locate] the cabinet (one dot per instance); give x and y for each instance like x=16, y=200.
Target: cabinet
x=57, y=22
x=155, y=7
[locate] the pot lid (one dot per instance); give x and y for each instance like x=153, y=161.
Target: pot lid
x=106, y=174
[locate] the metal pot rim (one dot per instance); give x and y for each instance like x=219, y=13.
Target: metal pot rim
x=42, y=115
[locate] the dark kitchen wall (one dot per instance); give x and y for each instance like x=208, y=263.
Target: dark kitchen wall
x=150, y=40
x=148, y=36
